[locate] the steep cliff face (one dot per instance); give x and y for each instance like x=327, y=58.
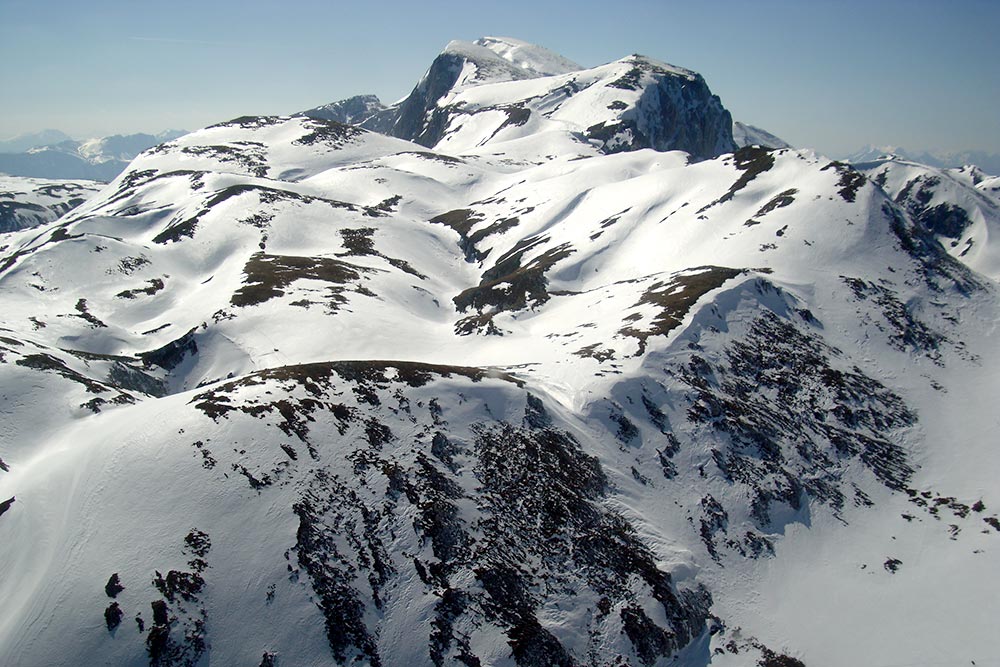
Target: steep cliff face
x=470, y=98
x=674, y=111
x=411, y=118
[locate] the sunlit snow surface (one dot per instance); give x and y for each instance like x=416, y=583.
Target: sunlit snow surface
x=29, y=202
x=170, y=363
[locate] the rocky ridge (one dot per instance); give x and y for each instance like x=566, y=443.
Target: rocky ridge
x=564, y=381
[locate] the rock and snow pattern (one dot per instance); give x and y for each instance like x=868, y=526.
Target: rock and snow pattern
x=29, y=202
x=496, y=93
x=960, y=207
x=352, y=111
x=546, y=372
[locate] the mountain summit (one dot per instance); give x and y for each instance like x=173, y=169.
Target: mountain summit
x=529, y=57
x=545, y=373
x=497, y=90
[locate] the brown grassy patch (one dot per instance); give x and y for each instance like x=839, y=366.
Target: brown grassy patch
x=268, y=275
x=674, y=298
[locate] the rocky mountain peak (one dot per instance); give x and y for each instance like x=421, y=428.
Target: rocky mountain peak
x=515, y=90
x=563, y=380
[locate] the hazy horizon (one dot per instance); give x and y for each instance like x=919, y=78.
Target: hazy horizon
x=834, y=76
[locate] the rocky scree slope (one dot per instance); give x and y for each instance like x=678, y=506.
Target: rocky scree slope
x=293, y=392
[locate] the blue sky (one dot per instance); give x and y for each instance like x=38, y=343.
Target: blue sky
x=832, y=75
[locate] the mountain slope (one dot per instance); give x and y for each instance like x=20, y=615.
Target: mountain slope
x=29, y=202
x=289, y=391
x=957, y=206
x=749, y=135
x=352, y=111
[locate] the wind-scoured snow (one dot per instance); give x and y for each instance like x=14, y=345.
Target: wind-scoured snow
x=29, y=202
x=293, y=392
x=957, y=206
x=529, y=57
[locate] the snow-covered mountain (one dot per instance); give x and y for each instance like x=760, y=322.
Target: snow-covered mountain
x=960, y=207
x=30, y=202
x=750, y=135
x=123, y=147
x=497, y=92
x=99, y=159
x=25, y=142
x=528, y=385
x=990, y=162
x=352, y=111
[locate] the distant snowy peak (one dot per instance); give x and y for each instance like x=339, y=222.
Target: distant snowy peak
x=629, y=104
x=529, y=57
x=486, y=60
x=477, y=65
x=988, y=162
x=872, y=153
x=25, y=142
x=460, y=65
x=749, y=135
x=499, y=90
x=123, y=147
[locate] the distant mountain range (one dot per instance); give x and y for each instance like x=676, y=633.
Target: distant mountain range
x=25, y=142
x=988, y=162
x=51, y=154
